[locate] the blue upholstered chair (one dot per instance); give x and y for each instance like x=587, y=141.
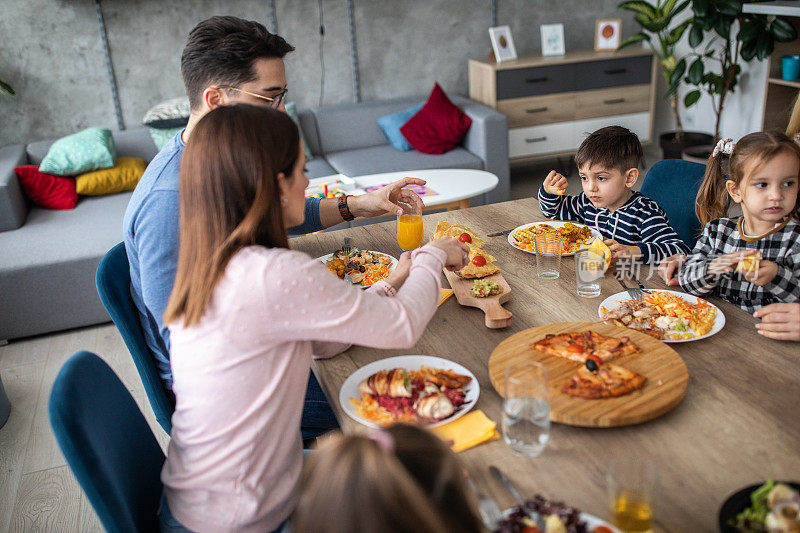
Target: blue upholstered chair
x=673, y=184
x=107, y=443
x=113, y=282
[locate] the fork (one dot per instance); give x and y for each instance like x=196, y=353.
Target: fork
x=489, y=510
x=634, y=293
x=532, y=515
x=346, y=248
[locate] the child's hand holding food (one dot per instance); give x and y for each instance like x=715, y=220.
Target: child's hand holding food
x=726, y=263
x=622, y=251
x=763, y=274
x=555, y=183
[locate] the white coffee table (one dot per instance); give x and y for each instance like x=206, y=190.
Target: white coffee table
x=454, y=187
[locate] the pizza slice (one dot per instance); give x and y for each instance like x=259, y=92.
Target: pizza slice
x=579, y=345
x=446, y=229
x=606, y=381
x=480, y=265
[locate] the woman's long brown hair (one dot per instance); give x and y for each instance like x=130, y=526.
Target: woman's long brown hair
x=749, y=154
x=229, y=198
x=354, y=484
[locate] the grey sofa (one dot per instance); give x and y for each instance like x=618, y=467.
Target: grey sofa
x=48, y=258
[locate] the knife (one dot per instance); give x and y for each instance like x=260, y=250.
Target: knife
x=502, y=478
x=490, y=511
x=499, y=233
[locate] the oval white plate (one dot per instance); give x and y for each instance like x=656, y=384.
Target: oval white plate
x=719, y=320
x=392, y=266
x=555, y=224
x=591, y=521
x=409, y=362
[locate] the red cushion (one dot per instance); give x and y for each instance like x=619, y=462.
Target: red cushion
x=46, y=190
x=438, y=127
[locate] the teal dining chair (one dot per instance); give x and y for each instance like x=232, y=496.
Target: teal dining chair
x=113, y=280
x=673, y=184
x=107, y=443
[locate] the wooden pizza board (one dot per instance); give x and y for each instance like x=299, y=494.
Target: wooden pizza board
x=496, y=315
x=666, y=373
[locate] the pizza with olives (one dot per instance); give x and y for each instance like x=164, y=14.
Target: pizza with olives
x=580, y=345
x=594, y=381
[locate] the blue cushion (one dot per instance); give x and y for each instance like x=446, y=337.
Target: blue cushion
x=673, y=184
x=391, y=124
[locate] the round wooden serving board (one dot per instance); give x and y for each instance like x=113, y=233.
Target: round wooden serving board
x=666, y=373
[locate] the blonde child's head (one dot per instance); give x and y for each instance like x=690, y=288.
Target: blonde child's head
x=608, y=163
x=760, y=172
x=399, y=479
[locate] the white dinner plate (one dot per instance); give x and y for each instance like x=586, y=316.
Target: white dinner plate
x=590, y=520
x=555, y=224
x=719, y=320
x=409, y=362
x=392, y=266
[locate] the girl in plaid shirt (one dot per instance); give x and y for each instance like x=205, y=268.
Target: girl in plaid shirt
x=761, y=173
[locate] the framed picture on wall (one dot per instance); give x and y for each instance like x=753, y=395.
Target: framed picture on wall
x=552, y=39
x=502, y=43
x=607, y=34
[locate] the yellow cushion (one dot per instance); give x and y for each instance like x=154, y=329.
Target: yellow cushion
x=123, y=176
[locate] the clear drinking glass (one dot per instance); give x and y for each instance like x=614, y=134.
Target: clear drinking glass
x=526, y=408
x=409, y=227
x=589, y=271
x=548, y=254
x=631, y=492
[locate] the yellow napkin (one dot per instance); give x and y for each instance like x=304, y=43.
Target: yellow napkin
x=470, y=430
x=446, y=293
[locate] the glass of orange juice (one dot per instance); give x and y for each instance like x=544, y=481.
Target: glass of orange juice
x=409, y=227
x=631, y=490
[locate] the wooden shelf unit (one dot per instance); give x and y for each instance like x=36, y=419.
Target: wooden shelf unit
x=780, y=95
x=553, y=102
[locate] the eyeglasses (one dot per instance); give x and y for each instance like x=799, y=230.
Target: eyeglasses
x=274, y=101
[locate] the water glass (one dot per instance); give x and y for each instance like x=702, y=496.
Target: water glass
x=548, y=254
x=589, y=271
x=631, y=492
x=526, y=408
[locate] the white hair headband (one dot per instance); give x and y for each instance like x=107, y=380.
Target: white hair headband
x=724, y=146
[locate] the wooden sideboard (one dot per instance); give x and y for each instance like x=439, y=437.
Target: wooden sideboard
x=553, y=102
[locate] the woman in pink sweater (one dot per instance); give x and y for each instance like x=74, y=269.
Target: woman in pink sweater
x=247, y=314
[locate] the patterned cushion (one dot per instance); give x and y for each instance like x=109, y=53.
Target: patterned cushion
x=90, y=149
x=120, y=178
x=291, y=110
x=168, y=114
x=162, y=135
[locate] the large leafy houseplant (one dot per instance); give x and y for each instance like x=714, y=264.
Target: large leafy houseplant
x=715, y=70
x=658, y=31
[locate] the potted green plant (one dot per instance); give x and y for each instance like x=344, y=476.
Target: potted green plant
x=715, y=70
x=662, y=36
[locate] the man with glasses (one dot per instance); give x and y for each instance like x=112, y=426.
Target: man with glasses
x=226, y=61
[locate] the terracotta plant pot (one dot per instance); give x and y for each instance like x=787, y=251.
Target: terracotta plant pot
x=672, y=149
x=698, y=154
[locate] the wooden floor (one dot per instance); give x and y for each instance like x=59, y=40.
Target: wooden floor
x=37, y=489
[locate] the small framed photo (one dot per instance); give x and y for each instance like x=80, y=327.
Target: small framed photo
x=552, y=39
x=502, y=44
x=607, y=34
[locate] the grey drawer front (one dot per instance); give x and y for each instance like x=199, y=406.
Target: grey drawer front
x=613, y=72
x=535, y=81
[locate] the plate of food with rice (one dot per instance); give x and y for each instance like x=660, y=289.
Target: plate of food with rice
x=670, y=316
x=417, y=389
x=359, y=267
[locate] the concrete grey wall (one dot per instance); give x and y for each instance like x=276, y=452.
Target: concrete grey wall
x=51, y=52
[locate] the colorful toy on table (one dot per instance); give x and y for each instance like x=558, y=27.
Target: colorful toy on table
x=330, y=186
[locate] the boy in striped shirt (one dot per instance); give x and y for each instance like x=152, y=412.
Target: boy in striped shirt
x=634, y=227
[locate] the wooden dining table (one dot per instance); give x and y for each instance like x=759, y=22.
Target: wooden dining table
x=736, y=426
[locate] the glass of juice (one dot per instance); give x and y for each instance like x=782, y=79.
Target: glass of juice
x=631, y=490
x=409, y=227
x=526, y=408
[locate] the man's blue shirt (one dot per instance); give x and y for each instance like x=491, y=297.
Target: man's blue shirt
x=151, y=232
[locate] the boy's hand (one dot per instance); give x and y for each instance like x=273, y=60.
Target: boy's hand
x=555, y=183
x=726, y=263
x=765, y=273
x=622, y=251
